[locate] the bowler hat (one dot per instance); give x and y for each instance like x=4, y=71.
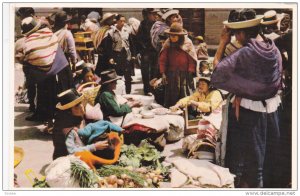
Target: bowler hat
x=25, y=12
x=30, y=25
x=61, y=17
x=68, y=99
x=241, y=19
x=109, y=76
x=176, y=29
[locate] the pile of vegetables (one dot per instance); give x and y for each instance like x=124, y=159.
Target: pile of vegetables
x=127, y=177
x=138, y=167
x=145, y=155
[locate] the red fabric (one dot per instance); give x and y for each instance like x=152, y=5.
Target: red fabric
x=137, y=127
x=173, y=59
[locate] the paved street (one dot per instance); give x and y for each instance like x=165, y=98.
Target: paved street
x=38, y=146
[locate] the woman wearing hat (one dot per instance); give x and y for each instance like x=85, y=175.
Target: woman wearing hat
x=206, y=99
x=253, y=122
x=177, y=64
x=107, y=98
x=167, y=16
x=70, y=134
x=65, y=37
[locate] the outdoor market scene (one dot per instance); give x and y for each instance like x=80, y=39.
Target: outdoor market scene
x=152, y=97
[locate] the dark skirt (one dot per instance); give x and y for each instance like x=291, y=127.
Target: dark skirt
x=252, y=146
x=180, y=84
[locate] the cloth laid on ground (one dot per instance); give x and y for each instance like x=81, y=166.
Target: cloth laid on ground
x=200, y=173
x=58, y=173
x=259, y=78
x=157, y=123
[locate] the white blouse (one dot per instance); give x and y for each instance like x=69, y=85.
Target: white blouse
x=257, y=106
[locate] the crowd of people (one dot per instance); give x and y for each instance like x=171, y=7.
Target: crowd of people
x=252, y=66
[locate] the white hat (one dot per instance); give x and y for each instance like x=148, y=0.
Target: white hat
x=168, y=12
x=244, y=24
x=107, y=16
x=270, y=17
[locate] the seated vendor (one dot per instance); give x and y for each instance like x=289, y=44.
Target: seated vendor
x=87, y=78
x=107, y=97
x=69, y=128
x=203, y=101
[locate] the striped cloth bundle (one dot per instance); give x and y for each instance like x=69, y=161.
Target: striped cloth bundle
x=40, y=49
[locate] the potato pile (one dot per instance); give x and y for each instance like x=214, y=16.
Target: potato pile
x=131, y=178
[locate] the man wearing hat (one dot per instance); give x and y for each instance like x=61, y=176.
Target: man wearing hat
x=65, y=37
x=253, y=123
x=123, y=50
x=148, y=53
x=270, y=25
x=103, y=43
x=177, y=64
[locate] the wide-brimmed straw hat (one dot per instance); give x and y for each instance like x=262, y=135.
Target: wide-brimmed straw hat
x=270, y=17
x=109, y=76
x=176, y=29
x=68, y=99
x=107, y=16
x=243, y=19
x=30, y=25
x=18, y=155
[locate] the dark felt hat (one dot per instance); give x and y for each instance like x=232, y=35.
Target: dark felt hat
x=60, y=17
x=109, y=76
x=68, y=99
x=176, y=29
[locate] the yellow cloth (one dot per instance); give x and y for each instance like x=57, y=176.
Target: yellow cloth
x=205, y=103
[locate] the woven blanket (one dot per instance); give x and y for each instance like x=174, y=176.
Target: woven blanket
x=40, y=49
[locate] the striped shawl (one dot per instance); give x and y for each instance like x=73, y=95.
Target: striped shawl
x=40, y=49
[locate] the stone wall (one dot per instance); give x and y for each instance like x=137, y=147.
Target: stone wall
x=213, y=24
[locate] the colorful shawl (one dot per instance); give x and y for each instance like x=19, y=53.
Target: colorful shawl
x=187, y=47
x=157, y=28
x=100, y=35
x=253, y=71
x=40, y=49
